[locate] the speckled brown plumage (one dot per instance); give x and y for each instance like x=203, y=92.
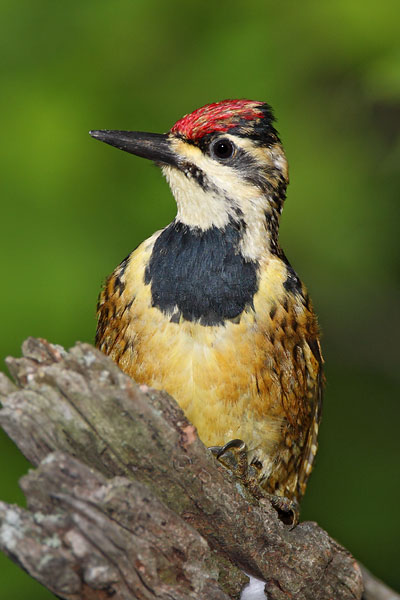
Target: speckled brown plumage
x=264, y=388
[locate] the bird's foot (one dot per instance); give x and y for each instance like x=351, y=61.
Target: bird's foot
x=233, y=455
x=288, y=510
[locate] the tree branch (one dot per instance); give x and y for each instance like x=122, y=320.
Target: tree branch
x=87, y=536
x=141, y=446
x=374, y=589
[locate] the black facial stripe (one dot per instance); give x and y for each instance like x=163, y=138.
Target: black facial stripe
x=201, y=273
x=193, y=172
x=250, y=170
x=242, y=162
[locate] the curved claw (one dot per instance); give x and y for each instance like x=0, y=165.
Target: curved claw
x=233, y=456
x=236, y=444
x=288, y=510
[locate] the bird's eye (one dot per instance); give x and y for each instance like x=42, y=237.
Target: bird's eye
x=222, y=148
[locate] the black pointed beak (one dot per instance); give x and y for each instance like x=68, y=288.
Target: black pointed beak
x=154, y=146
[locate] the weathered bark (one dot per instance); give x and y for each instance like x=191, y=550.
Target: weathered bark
x=141, y=446
x=87, y=536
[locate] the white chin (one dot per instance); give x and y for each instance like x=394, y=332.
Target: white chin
x=197, y=207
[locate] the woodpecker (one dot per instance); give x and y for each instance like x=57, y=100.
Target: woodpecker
x=209, y=308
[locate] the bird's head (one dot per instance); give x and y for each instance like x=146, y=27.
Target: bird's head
x=224, y=163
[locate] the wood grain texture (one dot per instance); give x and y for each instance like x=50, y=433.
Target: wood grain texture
x=85, y=536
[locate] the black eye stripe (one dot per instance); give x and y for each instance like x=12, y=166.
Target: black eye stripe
x=241, y=161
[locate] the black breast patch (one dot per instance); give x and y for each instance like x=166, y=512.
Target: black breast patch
x=201, y=274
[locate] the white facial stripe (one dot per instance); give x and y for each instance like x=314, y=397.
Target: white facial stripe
x=227, y=191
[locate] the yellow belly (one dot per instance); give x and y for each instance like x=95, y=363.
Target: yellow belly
x=211, y=372
x=219, y=375
x=254, y=379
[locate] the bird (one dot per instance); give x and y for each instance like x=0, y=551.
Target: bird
x=209, y=308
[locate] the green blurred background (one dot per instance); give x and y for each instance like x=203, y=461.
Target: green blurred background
x=73, y=208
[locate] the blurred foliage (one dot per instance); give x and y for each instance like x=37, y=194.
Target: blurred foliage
x=73, y=208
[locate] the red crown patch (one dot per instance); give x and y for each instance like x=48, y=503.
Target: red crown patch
x=219, y=116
